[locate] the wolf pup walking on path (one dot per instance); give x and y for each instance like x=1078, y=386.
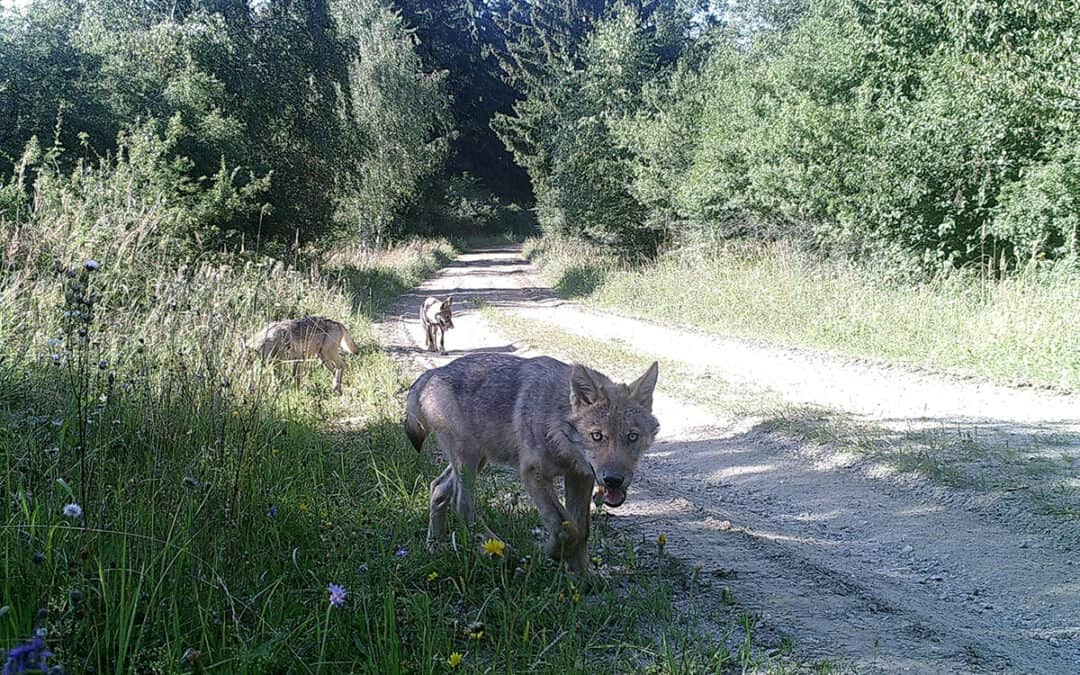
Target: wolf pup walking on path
x=299, y=339
x=437, y=317
x=543, y=417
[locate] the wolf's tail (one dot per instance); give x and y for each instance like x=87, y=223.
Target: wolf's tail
x=414, y=427
x=347, y=344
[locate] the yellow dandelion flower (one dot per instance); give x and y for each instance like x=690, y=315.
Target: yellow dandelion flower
x=494, y=547
x=433, y=576
x=476, y=635
x=661, y=541
x=455, y=660
x=235, y=413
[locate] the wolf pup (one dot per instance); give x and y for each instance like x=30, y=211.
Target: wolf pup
x=299, y=339
x=437, y=318
x=546, y=419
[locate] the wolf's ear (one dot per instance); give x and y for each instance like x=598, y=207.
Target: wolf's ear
x=584, y=389
x=449, y=301
x=641, y=389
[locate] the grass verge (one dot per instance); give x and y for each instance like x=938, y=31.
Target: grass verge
x=1021, y=329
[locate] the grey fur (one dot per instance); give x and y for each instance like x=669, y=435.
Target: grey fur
x=541, y=417
x=298, y=339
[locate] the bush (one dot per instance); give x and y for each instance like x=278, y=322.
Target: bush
x=135, y=209
x=1040, y=212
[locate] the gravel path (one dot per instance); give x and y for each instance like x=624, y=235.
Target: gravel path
x=884, y=576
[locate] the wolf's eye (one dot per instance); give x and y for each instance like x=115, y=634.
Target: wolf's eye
x=597, y=436
x=632, y=436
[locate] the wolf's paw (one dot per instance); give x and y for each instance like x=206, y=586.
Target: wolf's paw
x=563, y=541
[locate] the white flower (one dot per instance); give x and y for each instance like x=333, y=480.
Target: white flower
x=73, y=511
x=54, y=342
x=91, y=265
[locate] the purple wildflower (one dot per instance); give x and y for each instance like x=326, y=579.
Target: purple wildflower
x=337, y=595
x=272, y=512
x=401, y=551
x=73, y=510
x=30, y=656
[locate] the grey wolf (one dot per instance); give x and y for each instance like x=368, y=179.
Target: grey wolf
x=296, y=340
x=437, y=317
x=543, y=417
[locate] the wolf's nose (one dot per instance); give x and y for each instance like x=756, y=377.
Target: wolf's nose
x=613, y=482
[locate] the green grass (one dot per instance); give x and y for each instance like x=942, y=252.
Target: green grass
x=1021, y=329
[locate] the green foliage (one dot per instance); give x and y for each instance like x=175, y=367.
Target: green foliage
x=1040, y=212
x=327, y=99
x=400, y=114
x=460, y=38
x=582, y=70
x=49, y=87
x=204, y=485
x=893, y=130
x=932, y=135
x=464, y=204
x=136, y=207
x=1020, y=329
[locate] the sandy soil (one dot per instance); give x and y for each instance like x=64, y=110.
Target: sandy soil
x=885, y=575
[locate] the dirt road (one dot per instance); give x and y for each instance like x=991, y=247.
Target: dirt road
x=881, y=569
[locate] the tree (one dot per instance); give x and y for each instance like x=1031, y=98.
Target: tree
x=460, y=39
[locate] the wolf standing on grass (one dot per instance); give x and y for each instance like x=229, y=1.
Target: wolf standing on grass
x=300, y=339
x=546, y=419
x=437, y=317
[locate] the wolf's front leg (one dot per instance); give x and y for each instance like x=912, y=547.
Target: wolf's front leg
x=562, y=532
x=442, y=492
x=578, y=503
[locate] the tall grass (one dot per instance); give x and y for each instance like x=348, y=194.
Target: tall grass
x=1019, y=329
x=213, y=504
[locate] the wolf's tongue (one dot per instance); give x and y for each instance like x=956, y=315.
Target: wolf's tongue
x=614, y=497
